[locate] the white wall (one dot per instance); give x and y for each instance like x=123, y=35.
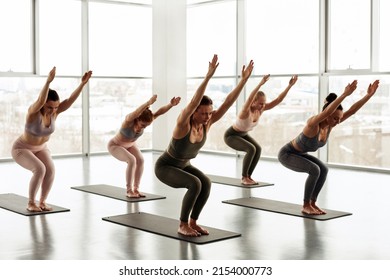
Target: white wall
x=169, y=64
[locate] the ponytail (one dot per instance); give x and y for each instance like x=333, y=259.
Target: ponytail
x=329, y=99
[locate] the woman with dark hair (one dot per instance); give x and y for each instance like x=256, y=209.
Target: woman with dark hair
x=237, y=136
x=174, y=168
x=30, y=149
x=294, y=155
x=124, y=147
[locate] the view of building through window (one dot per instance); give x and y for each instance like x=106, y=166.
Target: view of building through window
x=283, y=37
x=110, y=101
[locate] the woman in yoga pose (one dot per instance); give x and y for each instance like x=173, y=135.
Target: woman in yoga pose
x=30, y=150
x=237, y=136
x=173, y=167
x=294, y=155
x=124, y=147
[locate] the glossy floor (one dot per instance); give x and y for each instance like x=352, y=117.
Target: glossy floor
x=81, y=234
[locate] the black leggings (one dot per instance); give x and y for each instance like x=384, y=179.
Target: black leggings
x=181, y=174
x=241, y=141
x=303, y=162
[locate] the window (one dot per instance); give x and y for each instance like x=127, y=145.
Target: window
x=60, y=36
x=17, y=94
x=283, y=36
x=110, y=101
x=120, y=39
x=362, y=140
x=384, y=39
x=211, y=29
x=350, y=35
x=214, y=34
x=16, y=42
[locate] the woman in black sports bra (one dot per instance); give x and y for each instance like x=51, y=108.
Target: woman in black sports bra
x=189, y=135
x=294, y=155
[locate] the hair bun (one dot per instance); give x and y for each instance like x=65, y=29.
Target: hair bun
x=331, y=97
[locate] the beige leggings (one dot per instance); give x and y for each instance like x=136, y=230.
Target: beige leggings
x=37, y=159
x=129, y=153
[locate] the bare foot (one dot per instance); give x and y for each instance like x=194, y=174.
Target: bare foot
x=319, y=210
x=136, y=192
x=198, y=228
x=132, y=194
x=247, y=181
x=186, y=230
x=255, y=182
x=32, y=207
x=45, y=207
x=307, y=209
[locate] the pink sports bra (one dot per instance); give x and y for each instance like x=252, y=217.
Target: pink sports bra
x=245, y=125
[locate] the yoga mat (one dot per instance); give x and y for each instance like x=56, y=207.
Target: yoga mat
x=235, y=182
x=18, y=204
x=167, y=227
x=283, y=208
x=116, y=192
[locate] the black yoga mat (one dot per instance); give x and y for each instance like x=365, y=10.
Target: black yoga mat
x=116, y=193
x=167, y=227
x=283, y=208
x=18, y=204
x=235, y=182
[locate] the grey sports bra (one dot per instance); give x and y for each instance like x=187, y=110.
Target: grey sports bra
x=129, y=132
x=38, y=128
x=310, y=144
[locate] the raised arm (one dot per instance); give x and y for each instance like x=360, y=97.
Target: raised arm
x=245, y=110
x=359, y=104
x=314, y=121
x=162, y=110
x=42, y=98
x=233, y=95
x=65, y=104
x=183, y=121
x=282, y=95
x=137, y=112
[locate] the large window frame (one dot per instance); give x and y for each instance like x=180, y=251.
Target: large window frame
x=67, y=80
x=377, y=67
x=326, y=73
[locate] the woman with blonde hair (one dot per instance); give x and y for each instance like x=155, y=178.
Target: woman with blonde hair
x=237, y=136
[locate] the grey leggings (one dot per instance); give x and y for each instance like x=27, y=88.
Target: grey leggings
x=241, y=141
x=181, y=174
x=303, y=162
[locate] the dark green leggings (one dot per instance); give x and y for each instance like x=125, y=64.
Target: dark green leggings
x=241, y=141
x=181, y=174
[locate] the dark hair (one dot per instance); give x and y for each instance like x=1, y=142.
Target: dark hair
x=329, y=99
x=52, y=96
x=146, y=116
x=205, y=101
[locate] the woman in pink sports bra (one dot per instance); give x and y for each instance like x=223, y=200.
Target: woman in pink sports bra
x=237, y=136
x=30, y=150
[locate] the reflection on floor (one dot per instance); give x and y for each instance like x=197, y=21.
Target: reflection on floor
x=81, y=234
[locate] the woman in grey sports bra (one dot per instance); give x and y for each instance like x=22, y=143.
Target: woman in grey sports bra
x=294, y=155
x=174, y=168
x=30, y=150
x=124, y=147
x=237, y=136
